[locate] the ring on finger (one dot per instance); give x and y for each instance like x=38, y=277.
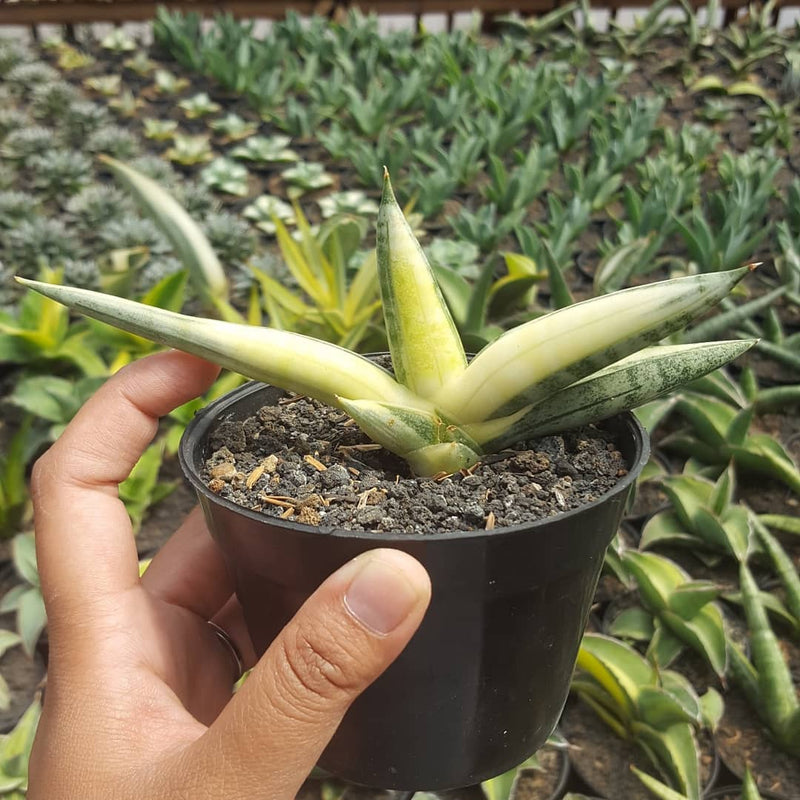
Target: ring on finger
x=230, y=647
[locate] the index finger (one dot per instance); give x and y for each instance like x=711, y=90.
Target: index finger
x=84, y=543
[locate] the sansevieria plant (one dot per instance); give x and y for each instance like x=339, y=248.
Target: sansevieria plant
x=571, y=367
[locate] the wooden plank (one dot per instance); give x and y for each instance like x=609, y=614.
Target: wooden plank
x=34, y=12
x=80, y=11
x=452, y=6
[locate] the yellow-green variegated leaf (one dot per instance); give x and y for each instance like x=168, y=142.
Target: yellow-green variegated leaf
x=289, y=360
x=656, y=787
x=704, y=633
x=666, y=528
x=657, y=577
x=617, y=667
x=184, y=234
x=426, y=349
x=688, y=494
x=676, y=753
x=628, y=383
x=532, y=362
x=421, y=437
x=659, y=709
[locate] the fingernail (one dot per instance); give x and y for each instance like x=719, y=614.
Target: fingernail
x=382, y=593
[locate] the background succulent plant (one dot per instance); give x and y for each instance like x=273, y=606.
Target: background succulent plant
x=23, y=143
x=81, y=272
x=11, y=119
x=16, y=206
x=96, y=205
x=36, y=241
x=81, y=120
x=13, y=52
x=60, y=173
x=197, y=199
x=51, y=102
x=113, y=140
x=132, y=232
x=157, y=169
x=23, y=77
x=230, y=236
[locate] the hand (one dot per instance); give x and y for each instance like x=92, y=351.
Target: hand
x=138, y=701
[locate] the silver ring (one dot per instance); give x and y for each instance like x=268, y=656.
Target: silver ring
x=231, y=647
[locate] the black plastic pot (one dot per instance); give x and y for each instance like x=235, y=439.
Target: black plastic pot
x=483, y=682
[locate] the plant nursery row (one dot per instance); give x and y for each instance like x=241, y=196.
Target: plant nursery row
x=540, y=165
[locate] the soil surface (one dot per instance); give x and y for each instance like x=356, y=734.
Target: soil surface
x=741, y=740
x=735, y=794
x=306, y=461
x=543, y=783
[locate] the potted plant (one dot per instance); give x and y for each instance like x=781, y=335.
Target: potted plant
x=483, y=682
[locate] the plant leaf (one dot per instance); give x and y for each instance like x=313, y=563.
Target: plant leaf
x=637, y=379
x=536, y=359
x=190, y=243
x=633, y=623
x=687, y=600
x=424, y=439
x=426, y=349
x=31, y=619
x=289, y=360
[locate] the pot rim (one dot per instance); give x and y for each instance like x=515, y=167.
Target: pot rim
x=197, y=430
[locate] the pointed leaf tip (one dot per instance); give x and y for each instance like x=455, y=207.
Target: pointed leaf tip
x=387, y=195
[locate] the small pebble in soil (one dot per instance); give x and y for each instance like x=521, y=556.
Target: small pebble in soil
x=306, y=461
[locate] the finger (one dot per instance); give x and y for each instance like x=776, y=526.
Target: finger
x=273, y=731
x=189, y=570
x=84, y=543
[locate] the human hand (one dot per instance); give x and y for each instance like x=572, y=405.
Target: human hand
x=138, y=702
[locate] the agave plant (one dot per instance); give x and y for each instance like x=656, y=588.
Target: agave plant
x=189, y=150
x=140, y=63
x=106, y=85
x=200, y=105
x=574, y=366
x=160, y=130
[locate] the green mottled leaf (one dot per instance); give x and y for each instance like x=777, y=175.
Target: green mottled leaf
x=664, y=647
x=712, y=707
x=687, y=600
x=665, y=528
x=659, y=709
x=633, y=623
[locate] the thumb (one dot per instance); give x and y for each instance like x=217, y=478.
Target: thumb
x=273, y=731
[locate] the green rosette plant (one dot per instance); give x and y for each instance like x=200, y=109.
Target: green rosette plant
x=657, y=709
x=571, y=367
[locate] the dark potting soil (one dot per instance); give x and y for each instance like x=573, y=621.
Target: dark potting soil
x=306, y=461
x=542, y=782
x=742, y=741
